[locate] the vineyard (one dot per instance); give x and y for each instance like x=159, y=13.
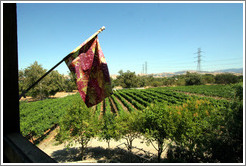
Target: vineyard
x=224, y=91
x=39, y=117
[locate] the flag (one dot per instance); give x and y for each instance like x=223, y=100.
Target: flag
x=92, y=76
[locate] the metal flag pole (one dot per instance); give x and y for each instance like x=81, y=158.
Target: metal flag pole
x=94, y=35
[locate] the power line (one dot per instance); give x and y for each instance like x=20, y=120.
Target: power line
x=155, y=64
x=184, y=64
x=191, y=62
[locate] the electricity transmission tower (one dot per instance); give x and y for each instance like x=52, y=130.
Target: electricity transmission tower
x=144, y=71
x=145, y=67
x=198, y=60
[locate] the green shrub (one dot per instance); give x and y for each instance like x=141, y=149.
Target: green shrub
x=193, y=79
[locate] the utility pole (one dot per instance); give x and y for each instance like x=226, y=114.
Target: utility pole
x=198, y=60
x=143, y=69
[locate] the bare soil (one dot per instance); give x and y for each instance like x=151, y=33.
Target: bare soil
x=57, y=95
x=63, y=94
x=123, y=106
x=98, y=151
x=113, y=107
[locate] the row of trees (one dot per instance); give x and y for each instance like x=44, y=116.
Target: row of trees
x=131, y=80
x=55, y=82
x=197, y=131
x=49, y=85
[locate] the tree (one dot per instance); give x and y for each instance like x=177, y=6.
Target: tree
x=107, y=125
x=156, y=83
x=240, y=78
x=113, y=82
x=31, y=75
x=70, y=82
x=158, y=123
x=193, y=79
x=196, y=127
x=56, y=82
x=168, y=81
x=207, y=132
x=127, y=79
x=127, y=126
x=238, y=91
x=230, y=141
x=79, y=125
x=21, y=81
x=49, y=85
x=226, y=78
x=142, y=81
x=178, y=80
x=209, y=78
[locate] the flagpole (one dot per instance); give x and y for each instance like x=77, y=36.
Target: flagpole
x=25, y=91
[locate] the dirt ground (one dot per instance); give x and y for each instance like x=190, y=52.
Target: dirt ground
x=98, y=151
x=57, y=95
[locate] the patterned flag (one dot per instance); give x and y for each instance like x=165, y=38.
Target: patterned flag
x=89, y=64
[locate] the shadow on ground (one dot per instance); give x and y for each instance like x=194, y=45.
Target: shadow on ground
x=99, y=154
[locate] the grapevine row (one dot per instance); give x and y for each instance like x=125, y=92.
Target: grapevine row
x=138, y=99
x=117, y=104
x=38, y=117
x=126, y=104
x=225, y=91
x=132, y=101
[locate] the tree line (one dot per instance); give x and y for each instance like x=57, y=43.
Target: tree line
x=49, y=85
x=129, y=79
x=56, y=82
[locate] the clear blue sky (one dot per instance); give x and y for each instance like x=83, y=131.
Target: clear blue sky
x=165, y=35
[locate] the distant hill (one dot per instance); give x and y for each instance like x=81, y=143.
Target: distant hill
x=237, y=71
x=170, y=74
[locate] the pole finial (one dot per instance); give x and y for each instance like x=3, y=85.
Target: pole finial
x=101, y=29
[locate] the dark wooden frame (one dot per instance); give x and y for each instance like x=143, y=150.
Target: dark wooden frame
x=16, y=148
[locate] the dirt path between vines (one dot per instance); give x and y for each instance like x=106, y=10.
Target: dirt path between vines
x=123, y=106
x=98, y=151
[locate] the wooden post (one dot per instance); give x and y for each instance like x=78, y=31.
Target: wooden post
x=11, y=121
